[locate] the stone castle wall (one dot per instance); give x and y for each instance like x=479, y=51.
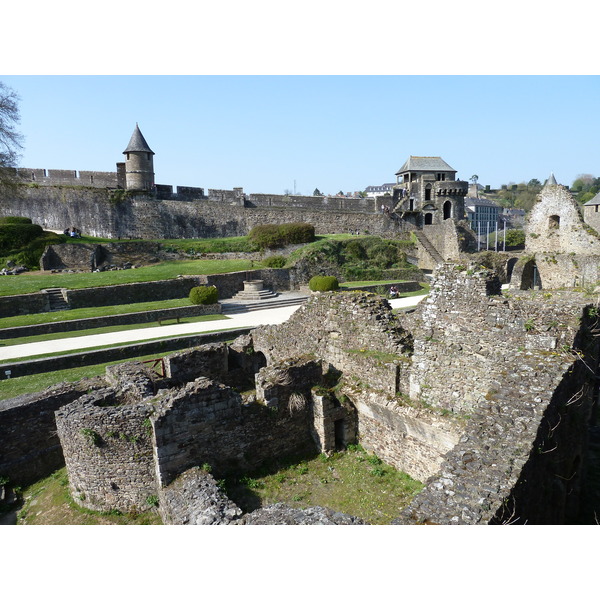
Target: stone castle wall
x=53, y=177
x=98, y=213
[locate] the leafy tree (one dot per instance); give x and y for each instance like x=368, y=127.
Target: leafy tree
x=10, y=139
x=474, y=178
x=317, y=192
x=585, y=187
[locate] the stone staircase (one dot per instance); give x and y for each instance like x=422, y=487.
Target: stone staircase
x=232, y=305
x=429, y=247
x=56, y=300
x=254, y=295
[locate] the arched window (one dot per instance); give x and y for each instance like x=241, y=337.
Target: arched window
x=554, y=222
x=428, y=218
x=447, y=210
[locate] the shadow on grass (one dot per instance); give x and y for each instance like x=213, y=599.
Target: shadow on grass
x=240, y=487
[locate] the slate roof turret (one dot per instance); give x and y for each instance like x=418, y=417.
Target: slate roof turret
x=137, y=143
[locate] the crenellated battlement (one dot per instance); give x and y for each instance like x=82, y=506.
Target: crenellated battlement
x=48, y=177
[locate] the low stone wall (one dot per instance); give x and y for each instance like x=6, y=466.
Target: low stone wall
x=151, y=316
x=24, y=304
x=130, y=293
x=30, y=449
x=95, y=357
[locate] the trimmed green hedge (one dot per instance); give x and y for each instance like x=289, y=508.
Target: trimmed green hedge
x=278, y=236
x=323, y=283
x=204, y=294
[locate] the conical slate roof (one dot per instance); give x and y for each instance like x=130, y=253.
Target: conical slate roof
x=137, y=143
x=551, y=180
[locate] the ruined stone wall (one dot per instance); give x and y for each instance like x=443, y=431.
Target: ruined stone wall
x=354, y=332
x=521, y=456
x=222, y=431
x=30, y=449
x=555, y=225
x=209, y=360
x=506, y=364
x=563, y=248
x=566, y=270
x=469, y=336
x=411, y=439
x=108, y=450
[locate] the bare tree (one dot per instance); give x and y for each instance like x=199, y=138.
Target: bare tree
x=11, y=141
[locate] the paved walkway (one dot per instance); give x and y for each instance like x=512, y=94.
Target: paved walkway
x=272, y=316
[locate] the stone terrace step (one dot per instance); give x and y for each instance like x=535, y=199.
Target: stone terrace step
x=231, y=306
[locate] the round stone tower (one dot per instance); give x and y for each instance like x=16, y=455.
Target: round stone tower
x=139, y=163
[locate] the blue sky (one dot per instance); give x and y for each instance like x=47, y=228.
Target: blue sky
x=268, y=97
x=271, y=133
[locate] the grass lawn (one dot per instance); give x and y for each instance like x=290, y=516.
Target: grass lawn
x=353, y=482
x=93, y=311
x=34, y=281
x=85, y=332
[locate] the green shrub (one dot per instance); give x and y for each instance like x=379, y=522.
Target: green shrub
x=13, y=220
x=323, y=283
x=13, y=236
x=204, y=294
x=297, y=233
x=274, y=262
x=355, y=250
x=278, y=236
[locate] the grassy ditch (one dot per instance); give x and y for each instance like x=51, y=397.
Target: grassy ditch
x=353, y=482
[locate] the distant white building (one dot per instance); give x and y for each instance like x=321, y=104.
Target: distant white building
x=379, y=190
